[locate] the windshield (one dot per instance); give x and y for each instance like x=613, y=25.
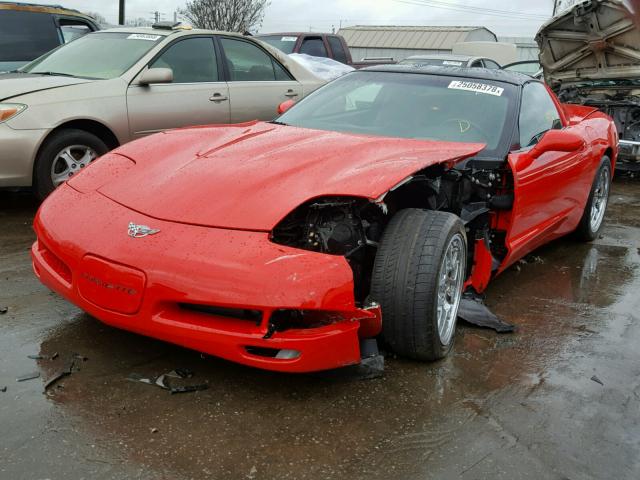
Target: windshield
x=408, y=105
x=97, y=55
x=284, y=43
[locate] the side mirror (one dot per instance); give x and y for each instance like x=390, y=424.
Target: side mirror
x=284, y=106
x=557, y=141
x=552, y=141
x=156, y=75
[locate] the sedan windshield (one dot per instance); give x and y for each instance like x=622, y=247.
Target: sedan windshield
x=97, y=55
x=411, y=105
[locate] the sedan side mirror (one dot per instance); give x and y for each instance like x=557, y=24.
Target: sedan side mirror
x=284, y=106
x=557, y=141
x=156, y=75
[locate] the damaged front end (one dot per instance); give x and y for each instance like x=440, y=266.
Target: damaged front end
x=590, y=55
x=621, y=101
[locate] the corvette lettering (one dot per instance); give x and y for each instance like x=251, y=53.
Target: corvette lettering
x=109, y=286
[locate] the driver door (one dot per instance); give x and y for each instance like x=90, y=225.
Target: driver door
x=196, y=96
x=548, y=190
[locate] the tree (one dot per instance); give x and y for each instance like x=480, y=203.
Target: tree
x=228, y=15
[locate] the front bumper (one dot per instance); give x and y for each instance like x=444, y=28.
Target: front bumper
x=142, y=284
x=18, y=150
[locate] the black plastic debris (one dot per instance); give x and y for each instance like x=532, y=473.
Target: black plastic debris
x=68, y=370
x=3, y=389
x=474, y=311
x=3, y=310
x=597, y=380
x=163, y=382
x=371, y=365
x=43, y=357
x=28, y=376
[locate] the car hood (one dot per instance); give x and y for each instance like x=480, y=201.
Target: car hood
x=250, y=176
x=16, y=84
x=594, y=40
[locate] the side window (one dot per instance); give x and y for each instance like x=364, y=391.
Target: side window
x=192, y=61
x=248, y=63
x=25, y=36
x=490, y=64
x=476, y=63
x=338, y=49
x=538, y=114
x=313, y=46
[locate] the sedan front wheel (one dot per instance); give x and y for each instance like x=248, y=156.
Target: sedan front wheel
x=62, y=156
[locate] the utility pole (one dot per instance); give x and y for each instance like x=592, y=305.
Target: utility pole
x=121, y=13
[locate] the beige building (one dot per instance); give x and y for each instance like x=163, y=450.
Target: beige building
x=399, y=42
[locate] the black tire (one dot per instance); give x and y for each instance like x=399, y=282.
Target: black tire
x=586, y=231
x=42, y=182
x=405, y=281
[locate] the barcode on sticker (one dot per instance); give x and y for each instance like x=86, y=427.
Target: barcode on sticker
x=476, y=87
x=143, y=36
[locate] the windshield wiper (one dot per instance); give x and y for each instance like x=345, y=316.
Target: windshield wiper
x=54, y=74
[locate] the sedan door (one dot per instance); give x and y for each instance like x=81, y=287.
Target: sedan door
x=550, y=190
x=197, y=95
x=258, y=83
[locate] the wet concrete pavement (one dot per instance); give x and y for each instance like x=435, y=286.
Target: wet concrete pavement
x=514, y=406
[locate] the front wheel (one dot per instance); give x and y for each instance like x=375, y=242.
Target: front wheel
x=593, y=215
x=62, y=156
x=417, y=279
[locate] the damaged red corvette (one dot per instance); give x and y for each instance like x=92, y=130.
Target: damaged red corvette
x=365, y=210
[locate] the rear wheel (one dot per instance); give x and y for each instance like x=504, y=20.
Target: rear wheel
x=417, y=278
x=63, y=155
x=593, y=216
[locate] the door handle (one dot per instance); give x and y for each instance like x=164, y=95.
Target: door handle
x=290, y=93
x=218, y=97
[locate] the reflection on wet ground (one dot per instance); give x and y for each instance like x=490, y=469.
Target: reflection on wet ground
x=502, y=406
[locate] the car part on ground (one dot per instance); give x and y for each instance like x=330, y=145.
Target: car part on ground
x=116, y=85
x=365, y=209
x=591, y=56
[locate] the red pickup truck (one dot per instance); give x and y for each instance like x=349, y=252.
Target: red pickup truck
x=327, y=45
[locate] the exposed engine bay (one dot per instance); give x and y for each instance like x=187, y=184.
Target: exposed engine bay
x=620, y=103
x=352, y=227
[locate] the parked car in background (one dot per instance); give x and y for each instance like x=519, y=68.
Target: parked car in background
x=590, y=55
x=527, y=67
x=66, y=108
x=327, y=45
x=28, y=31
x=443, y=60
x=366, y=209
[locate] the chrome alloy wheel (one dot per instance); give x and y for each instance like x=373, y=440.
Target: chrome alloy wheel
x=450, y=280
x=69, y=161
x=600, y=199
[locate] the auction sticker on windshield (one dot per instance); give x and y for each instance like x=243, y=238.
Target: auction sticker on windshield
x=288, y=39
x=476, y=87
x=143, y=36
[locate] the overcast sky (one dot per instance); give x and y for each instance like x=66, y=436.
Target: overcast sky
x=509, y=17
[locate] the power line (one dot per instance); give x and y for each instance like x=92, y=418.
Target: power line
x=471, y=9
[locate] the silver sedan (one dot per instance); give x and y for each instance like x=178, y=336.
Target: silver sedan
x=74, y=104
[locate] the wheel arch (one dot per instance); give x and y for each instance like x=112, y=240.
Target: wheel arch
x=94, y=127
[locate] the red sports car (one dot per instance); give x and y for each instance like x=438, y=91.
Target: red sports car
x=364, y=210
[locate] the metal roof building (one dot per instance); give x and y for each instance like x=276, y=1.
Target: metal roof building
x=399, y=42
